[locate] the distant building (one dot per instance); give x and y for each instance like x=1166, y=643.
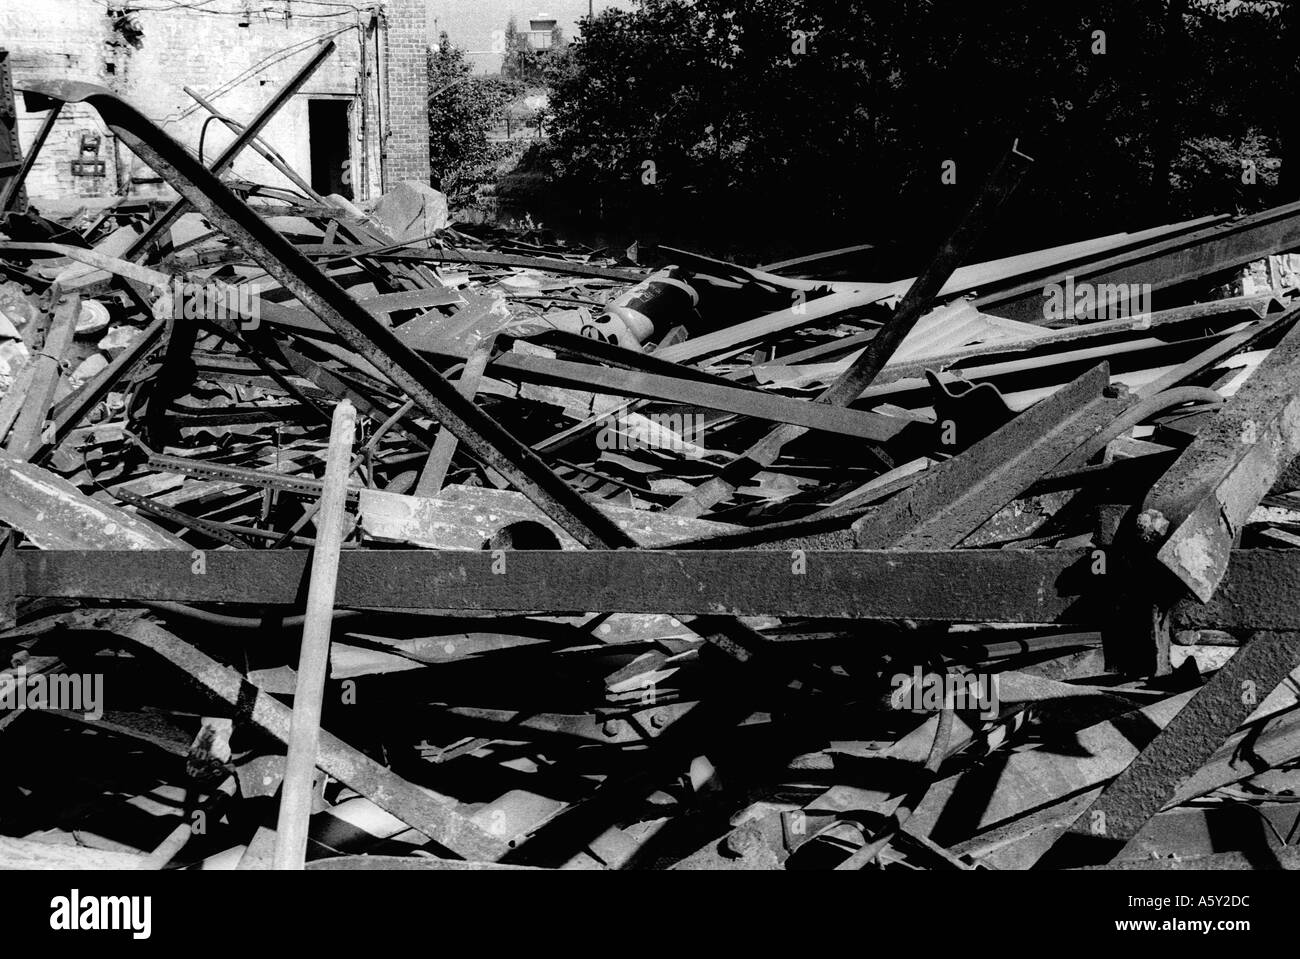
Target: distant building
x=478, y=26
x=541, y=29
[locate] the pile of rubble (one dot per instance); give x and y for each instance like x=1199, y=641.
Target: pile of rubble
x=488, y=551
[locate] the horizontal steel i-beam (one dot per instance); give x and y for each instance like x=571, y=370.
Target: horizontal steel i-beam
x=997, y=586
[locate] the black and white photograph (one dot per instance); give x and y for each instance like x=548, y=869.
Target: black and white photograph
x=445, y=444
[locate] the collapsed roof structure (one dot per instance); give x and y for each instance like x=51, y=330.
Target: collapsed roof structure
x=483, y=550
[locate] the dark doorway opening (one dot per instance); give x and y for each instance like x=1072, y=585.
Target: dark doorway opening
x=328, y=131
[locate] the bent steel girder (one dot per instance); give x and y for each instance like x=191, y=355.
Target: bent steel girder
x=483, y=436
x=486, y=439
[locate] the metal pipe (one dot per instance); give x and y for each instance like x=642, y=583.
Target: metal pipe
x=265, y=152
x=380, y=87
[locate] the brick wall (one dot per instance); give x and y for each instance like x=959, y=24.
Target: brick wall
x=147, y=56
x=406, y=112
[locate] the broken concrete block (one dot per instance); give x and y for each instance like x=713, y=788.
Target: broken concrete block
x=13, y=356
x=411, y=211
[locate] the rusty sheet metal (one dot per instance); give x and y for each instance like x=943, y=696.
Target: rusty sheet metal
x=835, y=420
x=951, y=500
x=1188, y=833
x=466, y=517
x=1271, y=741
x=1213, y=355
x=1196, y=510
x=850, y=385
x=438, y=817
x=1284, y=858
x=1008, y=786
x=1185, y=744
x=54, y=514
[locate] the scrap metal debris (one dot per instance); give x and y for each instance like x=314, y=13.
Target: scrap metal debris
x=607, y=564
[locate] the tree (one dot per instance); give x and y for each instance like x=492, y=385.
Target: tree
x=840, y=116
x=463, y=109
x=510, y=46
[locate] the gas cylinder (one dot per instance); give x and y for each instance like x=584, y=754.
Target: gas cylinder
x=652, y=307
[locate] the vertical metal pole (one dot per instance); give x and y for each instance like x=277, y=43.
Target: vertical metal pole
x=304, y=731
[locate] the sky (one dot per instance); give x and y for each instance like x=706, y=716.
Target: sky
x=470, y=23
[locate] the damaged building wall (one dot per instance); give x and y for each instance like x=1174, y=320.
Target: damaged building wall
x=358, y=126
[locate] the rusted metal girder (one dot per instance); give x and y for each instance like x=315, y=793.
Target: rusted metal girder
x=440, y=818
x=951, y=500
x=399, y=252
x=48, y=366
x=1065, y=586
x=955, y=586
x=851, y=384
x=481, y=435
x=1200, y=728
x=74, y=407
x=1259, y=592
x=858, y=424
x=365, y=334
x=1195, y=511
x=1162, y=264
x=13, y=186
